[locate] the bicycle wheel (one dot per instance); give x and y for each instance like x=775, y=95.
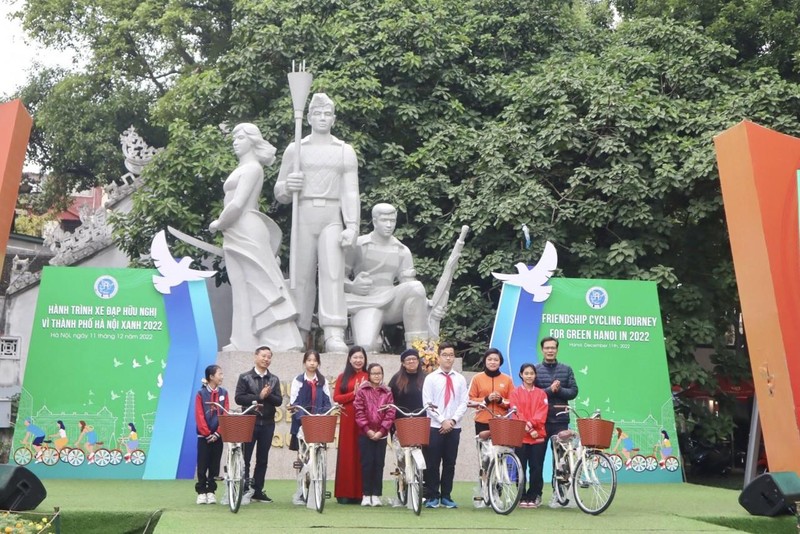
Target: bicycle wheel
x=23, y=456
x=234, y=478
x=561, y=485
x=401, y=486
x=50, y=457
x=137, y=457
x=650, y=463
x=638, y=463
x=616, y=461
x=595, y=483
x=76, y=457
x=63, y=454
x=319, y=478
x=671, y=464
x=102, y=457
x=415, y=487
x=506, y=480
x=116, y=456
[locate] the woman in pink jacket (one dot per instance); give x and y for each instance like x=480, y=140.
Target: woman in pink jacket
x=373, y=426
x=531, y=405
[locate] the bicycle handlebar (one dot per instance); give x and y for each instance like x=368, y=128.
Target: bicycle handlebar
x=228, y=412
x=430, y=406
x=294, y=407
x=482, y=406
x=568, y=408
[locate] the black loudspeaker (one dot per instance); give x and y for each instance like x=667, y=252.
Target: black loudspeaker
x=20, y=489
x=771, y=494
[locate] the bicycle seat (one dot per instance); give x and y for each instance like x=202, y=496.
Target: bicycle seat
x=566, y=435
x=484, y=435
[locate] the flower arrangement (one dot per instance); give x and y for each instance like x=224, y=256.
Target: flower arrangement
x=13, y=523
x=428, y=353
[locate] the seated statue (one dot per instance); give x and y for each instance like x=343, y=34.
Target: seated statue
x=384, y=289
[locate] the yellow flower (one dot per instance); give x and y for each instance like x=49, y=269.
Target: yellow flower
x=9, y=529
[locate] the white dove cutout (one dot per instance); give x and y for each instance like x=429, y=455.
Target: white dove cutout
x=114, y=396
x=173, y=273
x=147, y=360
x=117, y=363
x=136, y=364
x=533, y=280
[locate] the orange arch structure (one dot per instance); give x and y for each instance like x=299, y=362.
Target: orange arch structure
x=758, y=170
x=15, y=129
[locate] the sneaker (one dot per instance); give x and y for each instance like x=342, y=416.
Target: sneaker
x=554, y=502
x=211, y=498
x=537, y=502
x=432, y=503
x=366, y=501
x=297, y=498
x=260, y=496
x=524, y=504
x=376, y=500
x=202, y=498
x=448, y=503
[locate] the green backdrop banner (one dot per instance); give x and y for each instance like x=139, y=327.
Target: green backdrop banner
x=96, y=363
x=610, y=332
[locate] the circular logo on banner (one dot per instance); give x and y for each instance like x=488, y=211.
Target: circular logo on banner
x=597, y=297
x=106, y=287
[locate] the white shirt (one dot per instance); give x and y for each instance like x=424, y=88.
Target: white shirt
x=433, y=391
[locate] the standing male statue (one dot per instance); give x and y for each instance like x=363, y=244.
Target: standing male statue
x=378, y=262
x=328, y=219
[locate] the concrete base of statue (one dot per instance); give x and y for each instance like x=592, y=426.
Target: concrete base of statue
x=287, y=365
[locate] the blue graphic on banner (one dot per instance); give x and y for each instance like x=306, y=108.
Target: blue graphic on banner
x=206, y=355
x=181, y=380
x=516, y=329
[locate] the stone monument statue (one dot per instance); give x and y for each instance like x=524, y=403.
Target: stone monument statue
x=328, y=213
x=263, y=311
x=384, y=289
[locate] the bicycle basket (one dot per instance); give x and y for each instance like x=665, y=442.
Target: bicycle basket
x=319, y=428
x=507, y=432
x=413, y=431
x=595, y=433
x=236, y=428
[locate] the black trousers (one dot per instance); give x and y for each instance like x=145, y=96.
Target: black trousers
x=442, y=451
x=373, y=458
x=208, y=459
x=262, y=441
x=532, y=458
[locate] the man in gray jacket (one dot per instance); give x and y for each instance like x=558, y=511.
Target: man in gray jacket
x=558, y=381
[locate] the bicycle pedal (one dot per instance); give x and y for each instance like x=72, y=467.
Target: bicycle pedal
x=297, y=464
x=327, y=494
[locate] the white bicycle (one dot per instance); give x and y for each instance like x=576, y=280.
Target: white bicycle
x=235, y=428
x=413, y=433
x=318, y=431
x=502, y=479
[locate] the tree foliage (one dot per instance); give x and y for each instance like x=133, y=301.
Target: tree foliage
x=489, y=113
x=763, y=32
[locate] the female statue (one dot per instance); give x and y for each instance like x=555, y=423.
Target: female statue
x=263, y=311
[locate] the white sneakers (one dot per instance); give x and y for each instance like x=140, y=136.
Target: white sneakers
x=371, y=500
x=206, y=498
x=297, y=498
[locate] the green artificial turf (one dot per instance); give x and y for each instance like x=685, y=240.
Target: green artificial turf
x=113, y=506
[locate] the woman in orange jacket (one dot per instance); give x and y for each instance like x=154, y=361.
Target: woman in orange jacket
x=490, y=387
